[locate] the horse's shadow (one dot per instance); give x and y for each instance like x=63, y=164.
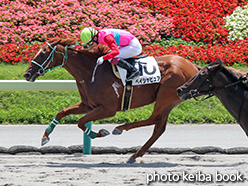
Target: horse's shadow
x=111, y=165
x=135, y=165
x=127, y=165
x=140, y=165
x=104, y=164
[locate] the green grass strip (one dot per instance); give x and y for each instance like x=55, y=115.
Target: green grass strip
x=40, y=107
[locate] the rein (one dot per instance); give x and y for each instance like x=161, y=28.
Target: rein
x=44, y=67
x=195, y=92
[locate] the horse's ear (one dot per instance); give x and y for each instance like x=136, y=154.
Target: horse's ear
x=54, y=41
x=215, y=64
x=219, y=60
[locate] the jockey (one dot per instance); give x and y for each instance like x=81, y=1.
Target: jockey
x=123, y=45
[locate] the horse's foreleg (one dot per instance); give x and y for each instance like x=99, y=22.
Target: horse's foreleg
x=97, y=113
x=78, y=108
x=45, y=138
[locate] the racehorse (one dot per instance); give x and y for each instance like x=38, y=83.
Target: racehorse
x=99, y=98
x=229, y=88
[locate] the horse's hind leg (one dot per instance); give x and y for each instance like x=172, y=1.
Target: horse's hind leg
x=153, y=119
x=78, y=108
x=245, y=128
x=157, y=132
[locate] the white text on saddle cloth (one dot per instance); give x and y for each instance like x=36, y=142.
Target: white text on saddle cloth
x=149, y=72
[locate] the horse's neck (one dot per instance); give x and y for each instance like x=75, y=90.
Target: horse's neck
x=229, y=103
x=80, y=66
x=230, y=97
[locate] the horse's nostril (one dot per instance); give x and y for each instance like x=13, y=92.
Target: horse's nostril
x=179, y=90
x=27, y=75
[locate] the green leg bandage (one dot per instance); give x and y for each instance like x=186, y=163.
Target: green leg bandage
x=51, y=126
x=90, y=133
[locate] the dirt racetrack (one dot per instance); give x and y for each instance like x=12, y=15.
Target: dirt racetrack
x=112, y=169
x=185, y=155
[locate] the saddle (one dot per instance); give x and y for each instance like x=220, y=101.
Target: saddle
x=129, y=60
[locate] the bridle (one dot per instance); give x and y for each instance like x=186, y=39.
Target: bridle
x=211, y=89
x=44, y=66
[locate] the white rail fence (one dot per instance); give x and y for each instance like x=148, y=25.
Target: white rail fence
x=46, y=85
x=40, y=85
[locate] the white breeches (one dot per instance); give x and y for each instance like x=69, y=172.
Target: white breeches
x=133, y=49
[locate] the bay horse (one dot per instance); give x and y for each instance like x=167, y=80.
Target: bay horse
x=228, y=87
x=99, y=98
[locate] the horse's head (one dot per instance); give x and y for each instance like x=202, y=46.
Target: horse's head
x=201, y=83
x=54, y=54
x=47, y=58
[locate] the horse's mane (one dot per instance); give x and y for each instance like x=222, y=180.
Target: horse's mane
x=223, y=69
x=228, y=72
x=235, y=77
x=94, y=50
x=231, y=73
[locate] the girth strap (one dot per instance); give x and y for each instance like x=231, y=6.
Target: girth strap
x=127, y=96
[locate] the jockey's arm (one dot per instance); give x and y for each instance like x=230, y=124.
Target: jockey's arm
x=110, y=40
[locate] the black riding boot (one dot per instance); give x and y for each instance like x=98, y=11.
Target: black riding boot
x=130, y=68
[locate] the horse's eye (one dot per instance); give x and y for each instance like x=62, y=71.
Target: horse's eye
x=203, y=72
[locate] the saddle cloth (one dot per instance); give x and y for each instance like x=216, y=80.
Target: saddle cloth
x=149, y=73
x=148, y=67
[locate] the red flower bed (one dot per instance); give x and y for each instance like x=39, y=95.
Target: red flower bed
x=197, y=20
x=236, y=52
x=14, y=54
x=24, y=21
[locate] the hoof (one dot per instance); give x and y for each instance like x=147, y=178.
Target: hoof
x=103, y=132
x=131, y=160
x=45, y=141
x=116, y=131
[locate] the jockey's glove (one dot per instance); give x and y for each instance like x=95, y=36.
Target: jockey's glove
x=99, y=60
